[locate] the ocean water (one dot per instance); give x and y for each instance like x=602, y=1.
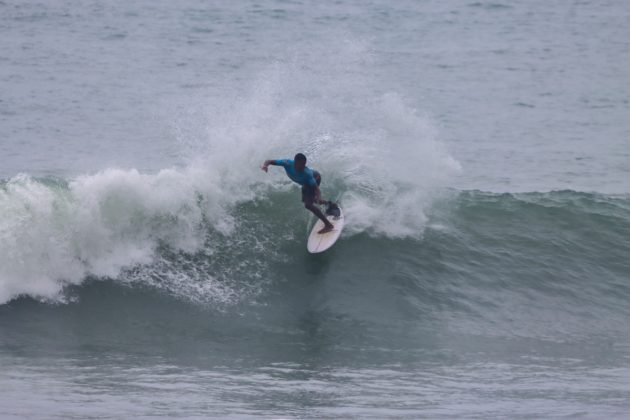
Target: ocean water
x=481, y=153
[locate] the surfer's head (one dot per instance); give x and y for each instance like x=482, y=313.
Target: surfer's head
x=299, y=162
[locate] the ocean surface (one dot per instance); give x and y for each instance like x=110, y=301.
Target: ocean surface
x=150, y=269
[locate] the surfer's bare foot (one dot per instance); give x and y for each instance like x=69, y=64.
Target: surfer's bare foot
x=326, y=229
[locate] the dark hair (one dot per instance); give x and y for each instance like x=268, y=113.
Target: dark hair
x=300, y=158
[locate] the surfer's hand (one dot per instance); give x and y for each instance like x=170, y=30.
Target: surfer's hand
x=264, y=168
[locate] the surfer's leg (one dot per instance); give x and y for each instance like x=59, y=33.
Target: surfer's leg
x=308, y=198
x=317, y=212
x=318, y=179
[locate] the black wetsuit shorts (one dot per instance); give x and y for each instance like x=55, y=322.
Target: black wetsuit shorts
x=308, y=191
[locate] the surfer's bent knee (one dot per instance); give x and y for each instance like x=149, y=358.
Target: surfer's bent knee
x=318, y=177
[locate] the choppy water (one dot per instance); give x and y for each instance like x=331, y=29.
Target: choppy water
x=148, y=267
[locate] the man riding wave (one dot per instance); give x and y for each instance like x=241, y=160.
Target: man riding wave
x=310, y=180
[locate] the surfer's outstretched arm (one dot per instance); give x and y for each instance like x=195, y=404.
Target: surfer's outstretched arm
x=268, y=162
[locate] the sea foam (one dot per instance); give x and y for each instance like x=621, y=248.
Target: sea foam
x=379, y=155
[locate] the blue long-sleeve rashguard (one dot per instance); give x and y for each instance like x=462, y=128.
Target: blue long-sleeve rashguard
x=306, y=178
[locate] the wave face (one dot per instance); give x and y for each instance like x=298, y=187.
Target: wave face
x=177, y=232
x=553, y=260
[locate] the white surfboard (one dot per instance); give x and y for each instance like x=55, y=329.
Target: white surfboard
x=321, y=242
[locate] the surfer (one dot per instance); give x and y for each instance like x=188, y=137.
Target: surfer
x=309, y=179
